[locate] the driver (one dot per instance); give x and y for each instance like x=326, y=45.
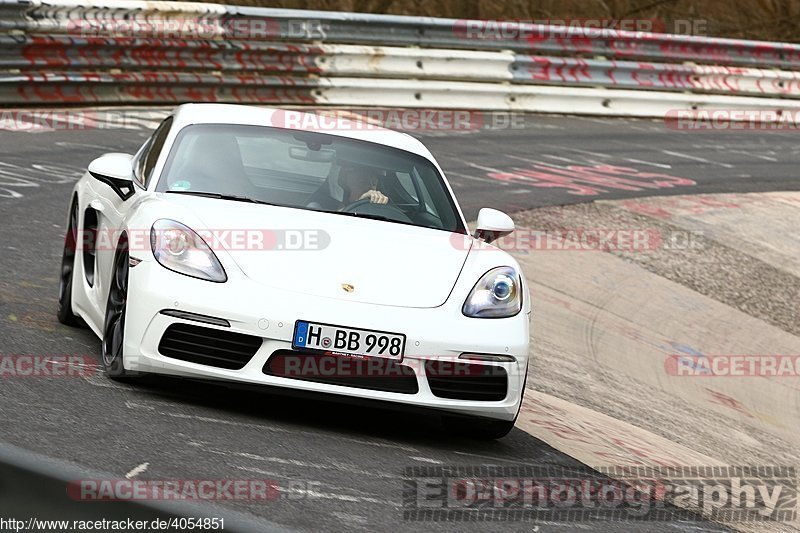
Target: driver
x=355, y=182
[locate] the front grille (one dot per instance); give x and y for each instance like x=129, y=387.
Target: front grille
x=373, y=373
x=206, y=346
x=464, y=381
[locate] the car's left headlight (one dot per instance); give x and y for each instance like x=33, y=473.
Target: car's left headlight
x=498, y=294
x=179, y=248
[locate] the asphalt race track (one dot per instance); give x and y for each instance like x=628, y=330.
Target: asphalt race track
x=342, y=466
x=537, y=161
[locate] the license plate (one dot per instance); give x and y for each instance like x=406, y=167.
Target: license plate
x=354, y=341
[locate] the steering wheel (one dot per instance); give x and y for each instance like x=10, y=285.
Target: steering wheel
x=382, y=210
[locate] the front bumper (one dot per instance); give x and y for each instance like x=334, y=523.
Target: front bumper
x=251, y=308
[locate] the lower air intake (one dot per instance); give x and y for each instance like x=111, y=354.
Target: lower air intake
x=207, y=346
x=372, y=373
x=464, y=381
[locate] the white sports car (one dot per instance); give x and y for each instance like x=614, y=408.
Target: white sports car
x=336, y=260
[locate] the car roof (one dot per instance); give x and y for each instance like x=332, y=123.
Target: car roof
x=295, y=119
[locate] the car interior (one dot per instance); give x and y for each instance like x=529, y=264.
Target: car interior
x=290, y=172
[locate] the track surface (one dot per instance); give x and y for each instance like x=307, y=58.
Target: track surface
x=355, y=455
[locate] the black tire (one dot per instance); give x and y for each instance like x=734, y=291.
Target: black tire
x=114, y=323
x=65, y=314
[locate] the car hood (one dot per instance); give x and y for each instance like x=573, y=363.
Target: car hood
x=337, y=256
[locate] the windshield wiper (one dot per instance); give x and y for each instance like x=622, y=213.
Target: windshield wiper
x=219, y=196
x=369, y=216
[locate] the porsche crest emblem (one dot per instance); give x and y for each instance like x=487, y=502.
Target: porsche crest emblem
x=347, y=287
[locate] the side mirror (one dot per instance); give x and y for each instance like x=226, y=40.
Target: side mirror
x=116, y=171
x=493, y=224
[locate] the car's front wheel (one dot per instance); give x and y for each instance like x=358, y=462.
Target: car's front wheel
x=65, y=314
x=114, y=323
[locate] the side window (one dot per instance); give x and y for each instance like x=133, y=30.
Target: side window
x=138, y=162
x=425, y=194
x=150, y=155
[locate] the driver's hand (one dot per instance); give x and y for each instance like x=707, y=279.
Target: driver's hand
x=375, y=197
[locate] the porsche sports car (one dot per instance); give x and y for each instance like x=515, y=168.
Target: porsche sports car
x=233, y=246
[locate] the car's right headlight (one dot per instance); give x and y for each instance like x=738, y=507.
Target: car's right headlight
x=178, y=248
x=498, y=294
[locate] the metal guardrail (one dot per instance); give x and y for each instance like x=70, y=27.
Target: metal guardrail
x=535, y=39
x=59, y=51
x=656, y=76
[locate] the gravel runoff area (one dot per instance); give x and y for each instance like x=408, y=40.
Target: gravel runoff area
x=716, y=270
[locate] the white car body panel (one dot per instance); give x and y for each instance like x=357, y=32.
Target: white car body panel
x=321, y=271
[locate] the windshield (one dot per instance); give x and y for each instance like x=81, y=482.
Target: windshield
x=308, y=170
